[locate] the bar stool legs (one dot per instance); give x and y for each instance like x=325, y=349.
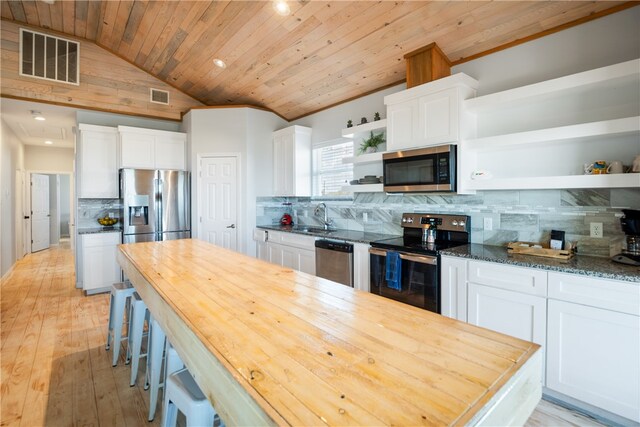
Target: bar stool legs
x=120, y=293
x=182, y=393
x=136, y=332
x=154, y=364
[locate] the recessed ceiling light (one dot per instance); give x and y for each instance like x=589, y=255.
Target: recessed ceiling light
x=219, y=63
x=281, y=7
x=48, y=1
x=37, y=115
x=48, y=142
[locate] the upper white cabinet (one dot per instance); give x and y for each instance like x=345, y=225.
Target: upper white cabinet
x=292, y=161
x=97, y=162
x=152, y=149
x=429, y=114
x=541, y=136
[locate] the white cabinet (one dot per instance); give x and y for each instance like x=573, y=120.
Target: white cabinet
x=152, y=149
x=594, y=342
x=99, y=266
x=540, y=136
x=97, y=162
x=508, y=299
x=453, y=289
x=429, y=114
x=292, y=161
x=289, y=250
x=361, y=267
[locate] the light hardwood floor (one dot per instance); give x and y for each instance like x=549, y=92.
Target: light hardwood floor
x=55, y=370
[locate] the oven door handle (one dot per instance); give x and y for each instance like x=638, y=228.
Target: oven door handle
x=408, y=257
x=420, y=259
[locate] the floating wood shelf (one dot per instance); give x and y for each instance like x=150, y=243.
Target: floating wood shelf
x=363, y=188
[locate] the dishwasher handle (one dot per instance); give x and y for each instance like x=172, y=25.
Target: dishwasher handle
x=332, y=245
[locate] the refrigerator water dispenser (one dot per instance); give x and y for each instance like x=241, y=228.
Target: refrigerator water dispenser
x=138, y=209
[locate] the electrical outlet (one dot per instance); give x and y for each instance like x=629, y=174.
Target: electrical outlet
x=596, y=229
x=488, y=223
x=365, y=216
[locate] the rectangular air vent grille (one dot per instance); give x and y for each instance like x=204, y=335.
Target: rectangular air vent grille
x=48, y=57
x=159, y=96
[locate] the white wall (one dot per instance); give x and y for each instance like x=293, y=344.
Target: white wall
x=605, y=41
x=114, y=120
x=234, y=130
x=48, y=159
x=54, y=220
x=11, y=160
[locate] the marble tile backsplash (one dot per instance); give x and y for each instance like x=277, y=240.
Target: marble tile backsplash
x=89, y=210
x=527, y=215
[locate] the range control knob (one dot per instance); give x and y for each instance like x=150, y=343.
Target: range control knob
x=404, y=220
x=461, y=223
x=410, y=220
x=454, y=222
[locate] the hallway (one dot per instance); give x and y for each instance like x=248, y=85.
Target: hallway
x=55, y=370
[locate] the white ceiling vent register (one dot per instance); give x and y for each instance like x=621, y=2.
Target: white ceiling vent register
x=158, y=96
x=48, y=57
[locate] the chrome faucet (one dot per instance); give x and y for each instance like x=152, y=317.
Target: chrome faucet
x=327, y=223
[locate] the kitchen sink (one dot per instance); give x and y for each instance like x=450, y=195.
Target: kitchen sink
x=315, y=230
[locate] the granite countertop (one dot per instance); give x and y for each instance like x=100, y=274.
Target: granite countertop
x=346, y=235
x=579, y=264
x=101, y=229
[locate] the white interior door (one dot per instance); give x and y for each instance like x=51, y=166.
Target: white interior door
x=218, y=201
x=40, y=212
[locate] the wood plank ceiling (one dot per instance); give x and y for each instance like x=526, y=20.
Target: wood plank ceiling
x=323, y=53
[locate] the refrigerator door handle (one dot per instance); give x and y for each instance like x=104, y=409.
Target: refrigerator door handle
x=158, y=201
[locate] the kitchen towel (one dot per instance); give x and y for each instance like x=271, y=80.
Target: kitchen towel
x=393, y=267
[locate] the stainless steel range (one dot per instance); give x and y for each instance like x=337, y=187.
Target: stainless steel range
x=406, y=268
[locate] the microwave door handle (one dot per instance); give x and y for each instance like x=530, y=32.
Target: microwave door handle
x=419, y=259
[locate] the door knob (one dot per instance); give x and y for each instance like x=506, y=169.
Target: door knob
x=231, y=226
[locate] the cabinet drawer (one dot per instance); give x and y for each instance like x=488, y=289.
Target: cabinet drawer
x=101, y=239
x=519, y=279
x=602, y=293
x=299, y=241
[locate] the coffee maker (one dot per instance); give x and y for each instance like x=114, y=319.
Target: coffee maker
x=631, y=227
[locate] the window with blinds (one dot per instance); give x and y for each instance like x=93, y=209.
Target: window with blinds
x=329, y=173
x=48, y=57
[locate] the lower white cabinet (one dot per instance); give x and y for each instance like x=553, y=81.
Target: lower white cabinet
x=361, y=267
x=513, y=313
x=594, y=356
x=453, y=287
x=588, y=327
x=290, y=250
x=99, y=266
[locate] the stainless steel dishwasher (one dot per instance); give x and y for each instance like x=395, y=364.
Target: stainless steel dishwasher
x=334, y=261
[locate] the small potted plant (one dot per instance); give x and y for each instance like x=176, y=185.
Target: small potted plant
x=370, y=145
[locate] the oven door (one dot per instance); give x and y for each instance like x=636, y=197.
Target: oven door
x=419, y=283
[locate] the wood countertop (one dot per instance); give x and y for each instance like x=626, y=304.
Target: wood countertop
x=273, y=346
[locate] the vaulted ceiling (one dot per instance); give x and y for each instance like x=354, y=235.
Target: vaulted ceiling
x=323, y=53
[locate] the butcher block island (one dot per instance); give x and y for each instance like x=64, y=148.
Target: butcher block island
x=273, y=346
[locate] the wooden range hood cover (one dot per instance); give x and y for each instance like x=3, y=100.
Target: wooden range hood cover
x=426, y=64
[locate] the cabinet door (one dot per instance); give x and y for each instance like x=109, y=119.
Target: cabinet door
x=170, y=152
x=262, y=251
x=361, y=267
x=137, y=150
x=100, y=268
x=275, y=253
x=98, y=177
x=290, y=257
x=594, y=357
x=402, y=125
x=438, y=118
x=283, y=168
x=306, y=261
x=519, y=315
x=453, y=290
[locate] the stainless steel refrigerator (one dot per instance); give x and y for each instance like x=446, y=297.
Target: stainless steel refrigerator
x=156, y=205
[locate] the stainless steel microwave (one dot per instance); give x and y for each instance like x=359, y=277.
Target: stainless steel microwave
x=431, y=169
